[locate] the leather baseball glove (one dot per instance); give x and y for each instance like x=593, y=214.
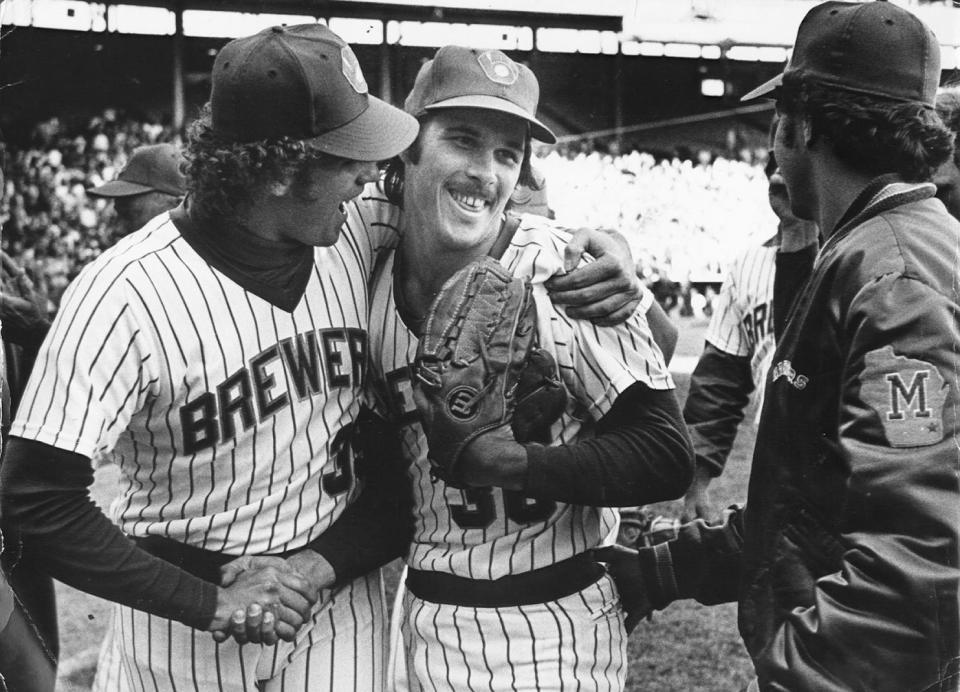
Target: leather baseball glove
x=477, y=340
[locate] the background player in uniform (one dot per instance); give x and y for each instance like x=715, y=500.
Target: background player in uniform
x=845, y=559
x=218, y=354
x=501, y=592
x=739, y=347
x=151, y=183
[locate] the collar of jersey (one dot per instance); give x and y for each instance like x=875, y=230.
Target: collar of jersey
x=276, y=272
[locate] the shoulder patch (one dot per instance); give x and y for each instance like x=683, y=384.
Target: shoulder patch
x=907, y=394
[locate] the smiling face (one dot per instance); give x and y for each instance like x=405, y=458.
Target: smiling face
x=460, y=175
x=311, y=209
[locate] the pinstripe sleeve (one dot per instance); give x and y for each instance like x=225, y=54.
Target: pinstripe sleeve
x=605, y=361
x=725, y=330
x=89, y=377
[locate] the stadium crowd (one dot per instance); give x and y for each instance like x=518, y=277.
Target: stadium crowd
x=684, y=219
x=51, y=226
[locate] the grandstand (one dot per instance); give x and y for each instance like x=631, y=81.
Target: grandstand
x=85, y=82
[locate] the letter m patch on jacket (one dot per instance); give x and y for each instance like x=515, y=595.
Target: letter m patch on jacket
x=907, y=394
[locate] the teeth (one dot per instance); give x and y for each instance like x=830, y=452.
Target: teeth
x=474, y=203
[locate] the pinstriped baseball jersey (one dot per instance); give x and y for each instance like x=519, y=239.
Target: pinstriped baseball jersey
x=486, y=533
x=226, y=414
x=742, y=321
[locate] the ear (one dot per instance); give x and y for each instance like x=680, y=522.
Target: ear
x=806, y=129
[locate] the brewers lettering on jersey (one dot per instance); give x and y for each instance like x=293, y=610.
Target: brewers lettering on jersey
x=742, y=321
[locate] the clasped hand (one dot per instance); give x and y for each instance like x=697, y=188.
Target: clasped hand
x=263, y=599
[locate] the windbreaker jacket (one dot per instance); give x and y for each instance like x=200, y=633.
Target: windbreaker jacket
x=845, y=560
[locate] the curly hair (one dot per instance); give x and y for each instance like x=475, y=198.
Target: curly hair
x=394, y=171
x=225, y=177
x=868, y=133
x=948, y=107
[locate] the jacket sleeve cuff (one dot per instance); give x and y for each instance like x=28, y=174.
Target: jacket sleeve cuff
x=656, y=566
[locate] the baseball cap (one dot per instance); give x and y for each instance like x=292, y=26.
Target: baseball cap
x=874, y=48
x=459, y=77
x=151, y=168
x=303, y=82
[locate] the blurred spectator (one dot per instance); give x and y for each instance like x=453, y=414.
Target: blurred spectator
x=51, y=227
x=150, y=184
x=685, y=221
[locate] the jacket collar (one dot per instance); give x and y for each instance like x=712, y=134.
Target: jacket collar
x=881, y=194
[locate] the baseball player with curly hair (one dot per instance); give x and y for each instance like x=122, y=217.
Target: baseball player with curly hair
x=501, y=590
x=218, y=354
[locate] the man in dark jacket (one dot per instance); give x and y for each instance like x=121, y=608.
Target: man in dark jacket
x=845, y=562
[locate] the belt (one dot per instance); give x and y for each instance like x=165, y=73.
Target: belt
x=536, y=586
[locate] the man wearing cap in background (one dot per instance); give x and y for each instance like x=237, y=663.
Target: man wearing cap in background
x=845, y=560
x=217, y=355
x=151, y=183
x=501, y=590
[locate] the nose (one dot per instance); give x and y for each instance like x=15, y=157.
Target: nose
x=368, y=173
x=481, y=167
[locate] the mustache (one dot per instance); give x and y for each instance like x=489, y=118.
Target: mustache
x=471, y=188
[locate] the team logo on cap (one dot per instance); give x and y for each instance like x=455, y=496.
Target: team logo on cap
x=352, y=71
x=498, y=67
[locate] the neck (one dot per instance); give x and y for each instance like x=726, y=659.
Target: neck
x=423, y=265
x=836, y=187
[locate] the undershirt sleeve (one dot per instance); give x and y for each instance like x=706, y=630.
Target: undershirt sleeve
x=720, y=390
x=48, y=515
x=378, y=526
x=641, y=454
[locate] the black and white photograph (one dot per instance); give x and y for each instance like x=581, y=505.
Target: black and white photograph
x=480, y=345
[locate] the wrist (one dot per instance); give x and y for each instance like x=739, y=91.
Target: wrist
x=495, y=459
x=313, y=567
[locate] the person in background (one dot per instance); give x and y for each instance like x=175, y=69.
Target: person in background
x=151, y=183
x=739, y=347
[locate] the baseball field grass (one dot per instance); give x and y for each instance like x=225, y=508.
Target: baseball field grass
x=685, y=648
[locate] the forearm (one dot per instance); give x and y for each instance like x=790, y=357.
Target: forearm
x=371, y=532
x=377, y=527
x=49, y=515
x=641, y=454
x=719, y=393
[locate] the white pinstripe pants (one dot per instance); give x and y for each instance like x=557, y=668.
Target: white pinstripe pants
x=576, y=642
x=343, y=649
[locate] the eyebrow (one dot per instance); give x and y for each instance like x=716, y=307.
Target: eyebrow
x=470, y=130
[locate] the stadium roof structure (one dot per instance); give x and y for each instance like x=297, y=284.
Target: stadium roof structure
x=575, y=14
x=764, y=23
